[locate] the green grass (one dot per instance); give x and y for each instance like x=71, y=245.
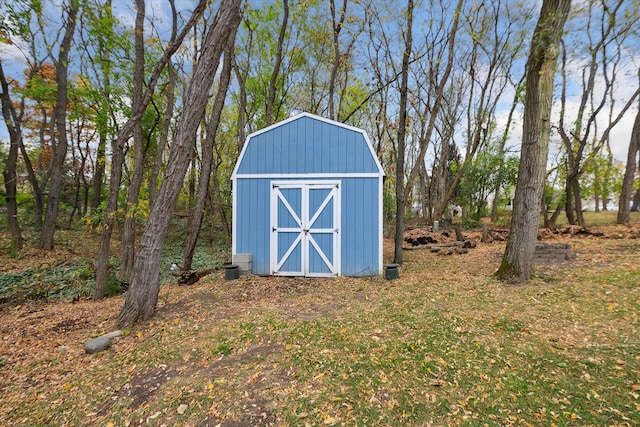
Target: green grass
x=599, y=218
x=408, y=363
x=446, y=344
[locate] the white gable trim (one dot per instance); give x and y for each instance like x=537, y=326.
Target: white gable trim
x=307, y=175
x=312, y=116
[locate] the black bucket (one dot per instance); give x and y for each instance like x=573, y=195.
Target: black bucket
x=391, y=271
x=231, y=272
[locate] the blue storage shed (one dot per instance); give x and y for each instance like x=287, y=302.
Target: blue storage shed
x=307, y=200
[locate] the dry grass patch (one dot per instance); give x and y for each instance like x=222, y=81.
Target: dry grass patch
x=446, y=344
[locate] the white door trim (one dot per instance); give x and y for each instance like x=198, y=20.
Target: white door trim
x=305, y=227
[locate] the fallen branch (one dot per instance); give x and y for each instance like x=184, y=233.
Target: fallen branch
x=191, y=277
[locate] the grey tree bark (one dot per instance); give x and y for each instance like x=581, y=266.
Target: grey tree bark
x=129, y=227
x=207, y=156
x=102, y=117
x=9, y=173
x=629, y=173
x=516, y=265
x=440, y=88
x=271, y=96
x=142, y=296
x=167, y=114
x=337, y=27
x=401, y=144
x=60, y=115
x=117, y=158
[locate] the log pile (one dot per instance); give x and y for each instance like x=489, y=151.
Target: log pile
x=501, y=234
x=444, y=242
x=571, y=230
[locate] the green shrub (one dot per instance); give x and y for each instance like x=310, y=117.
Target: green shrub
x=62, y=283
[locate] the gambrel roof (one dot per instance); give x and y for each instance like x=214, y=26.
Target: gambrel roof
x=307, y=144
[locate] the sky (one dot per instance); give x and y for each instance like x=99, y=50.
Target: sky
x=13, y=61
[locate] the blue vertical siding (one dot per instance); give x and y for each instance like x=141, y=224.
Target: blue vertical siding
x=291, y=151
x=253, y=222
x=360, y=227
x=359, y=231
x=307, y=146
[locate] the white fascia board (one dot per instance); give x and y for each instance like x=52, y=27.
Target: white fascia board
x=306, y=175
x=315, y=117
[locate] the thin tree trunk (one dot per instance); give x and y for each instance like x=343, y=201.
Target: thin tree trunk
x=629, y=173
x=35, y=185
x=636, y=201
x=221, y=206
x=207, y=156
x=142, y=295
x=271, y=96
x=102, y=118
x=9, y=172
x=516, y=263
x=337, y=27
x=402, y=129
x=503, y=142
x=164, y=136
x=78, y=174
x=437, y=105
x=577, y=200
x=60, y=152
x=98, y=176
x=241, y=77
x=167, y=115
x=129, y=227
x=117, y=158
x=550, y=222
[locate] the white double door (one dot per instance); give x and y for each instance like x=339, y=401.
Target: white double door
x=305, y=228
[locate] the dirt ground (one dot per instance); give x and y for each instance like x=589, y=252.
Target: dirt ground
x=41, y=344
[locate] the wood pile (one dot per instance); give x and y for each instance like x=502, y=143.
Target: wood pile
x=442, y=242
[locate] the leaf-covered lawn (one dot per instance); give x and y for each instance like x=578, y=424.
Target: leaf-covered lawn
x=446, y=344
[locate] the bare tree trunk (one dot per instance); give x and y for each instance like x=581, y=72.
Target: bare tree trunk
x=337, y=27
x=35, y=185
x=636, y=201
x=503, y=142
x=271, y=96
x=129, y=228
x=241, y=77
x=78, y=174
x=629, y=173
x=437, y=105
x=142, y=296
x=102, y=117
x=167, y=116
x=569, y=207
x=60, y=152
x=402, y=130
x=516, y=263
x=9, y=172
x=550, y=222
x=219, y=201
x=117, y=158
x=98, y=176
x=207, y=156
x=576, y=139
